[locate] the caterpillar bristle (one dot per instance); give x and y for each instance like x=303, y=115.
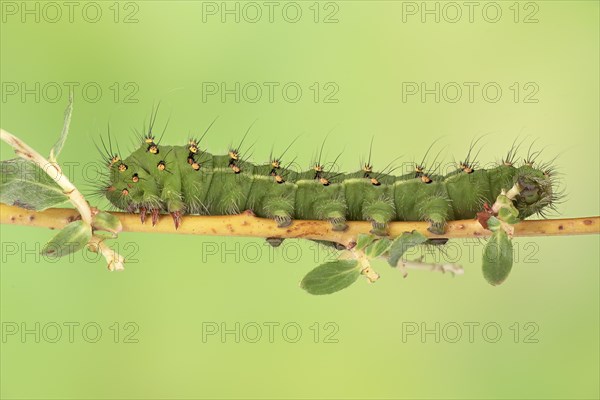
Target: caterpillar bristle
x=512, y=152
x=468, y=165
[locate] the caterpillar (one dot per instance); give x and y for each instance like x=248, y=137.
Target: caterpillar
x=158, y=179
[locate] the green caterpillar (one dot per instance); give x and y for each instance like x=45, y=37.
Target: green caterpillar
x=157, y=179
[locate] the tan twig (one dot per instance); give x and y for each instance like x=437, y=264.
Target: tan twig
x=246, y=224
x=116, y=262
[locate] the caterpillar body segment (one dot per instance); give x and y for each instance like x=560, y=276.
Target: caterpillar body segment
x=272, y=199
x=370, y=199
x=419, y=200
x=229, y=187
x=197, y=173
x=469, y=191
x=179, y=180
x=324, y=201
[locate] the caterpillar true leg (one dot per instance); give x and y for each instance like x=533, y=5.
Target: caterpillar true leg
x=143, y=212
x=155, y=212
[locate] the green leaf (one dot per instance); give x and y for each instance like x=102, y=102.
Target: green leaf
x=497, y=257
x=364, y=239
x=503, y=201
x=494, y=224
x=24, y=184
x=70, y=239
x=378, y=247
x=331, y=277
x=104, y=221
x=507, y=211
x=57, y=148
x=510, y=215
x=403, y=243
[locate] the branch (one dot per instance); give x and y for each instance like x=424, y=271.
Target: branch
x=75, y=197
x=116, y=262
x=83, y=210
x=246, y=224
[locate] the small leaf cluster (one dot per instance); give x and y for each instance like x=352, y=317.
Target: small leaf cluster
x=336, y=275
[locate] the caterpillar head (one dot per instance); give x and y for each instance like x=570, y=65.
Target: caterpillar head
x=537, y=190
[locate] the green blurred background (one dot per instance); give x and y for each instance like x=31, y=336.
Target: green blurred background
x=363, y=56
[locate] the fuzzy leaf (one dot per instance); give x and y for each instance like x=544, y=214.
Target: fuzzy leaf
x=70, y=239
x=403, y=243
x=331, y=277
x=104, y=221
x=497, y=257
x=24, y=184
x=364, y=239
x=378, y=247
x=57, y=148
